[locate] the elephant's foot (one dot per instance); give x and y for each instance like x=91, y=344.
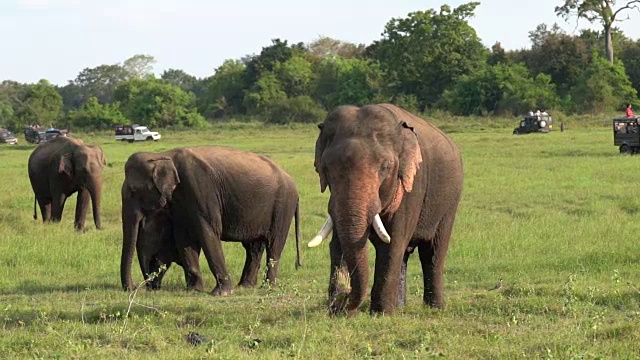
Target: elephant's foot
x=199, y=288
x=435, y=302
x=219, y=291
x=247, y=284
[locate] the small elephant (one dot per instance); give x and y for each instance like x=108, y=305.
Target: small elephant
x=156, y=247
x=61, y=167
x=394, y=179
x=212, y=194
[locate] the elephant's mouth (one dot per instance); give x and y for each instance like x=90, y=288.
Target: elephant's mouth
x=326, y=229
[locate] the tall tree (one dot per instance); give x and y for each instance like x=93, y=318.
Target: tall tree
x=179, y=78
x=100, y=82
x=139, y=66
x=604, y=12
x=426, y=52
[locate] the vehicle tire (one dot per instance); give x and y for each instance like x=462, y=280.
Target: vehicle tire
x=625, y=149
x=149, y=138
x=515, y=132
x=130, y=140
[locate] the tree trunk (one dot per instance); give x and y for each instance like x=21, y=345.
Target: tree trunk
x=608, y=43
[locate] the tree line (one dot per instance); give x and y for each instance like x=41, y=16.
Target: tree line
x=429, y=60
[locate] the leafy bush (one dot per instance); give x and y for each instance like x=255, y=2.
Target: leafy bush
x=297, y=109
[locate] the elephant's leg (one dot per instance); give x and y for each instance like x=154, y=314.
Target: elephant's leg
x=432, y=256
x=274, y=252
x=254, y=250
x=212, y=249
x=57, y=206
x=45, y=209
x=82, y=204
x=402, y=281
x=386, y=281
x=189, y=258
x=156, y=283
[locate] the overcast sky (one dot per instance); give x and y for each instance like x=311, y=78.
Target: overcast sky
x=55, y=39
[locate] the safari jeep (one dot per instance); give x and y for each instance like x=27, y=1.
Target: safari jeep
x=534, y=124
x=135, y=133
x=626, y=135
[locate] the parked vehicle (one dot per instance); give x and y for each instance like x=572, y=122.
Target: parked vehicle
x=37, y=135
x=6, y=137
x=135, y=132
x=626, y=135
x=542, y=123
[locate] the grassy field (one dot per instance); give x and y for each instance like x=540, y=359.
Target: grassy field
x=555, y=216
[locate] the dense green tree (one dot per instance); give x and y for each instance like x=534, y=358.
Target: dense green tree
x=179, y=78
x=347, y=81
x=295, y=76
x=500, y=89
x=156, y=103
x=93, y=115
x=555, y=53
x=224, y=90
x=603, y=12
x=603, y=87
x=427, y=52
x=266, y=91
x=41, y=105
x=278, y=52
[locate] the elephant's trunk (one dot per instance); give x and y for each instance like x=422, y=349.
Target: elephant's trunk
x=130, y=224
x=352, y=227
x=95, y=191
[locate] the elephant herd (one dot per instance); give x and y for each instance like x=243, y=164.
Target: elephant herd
x=395, y=182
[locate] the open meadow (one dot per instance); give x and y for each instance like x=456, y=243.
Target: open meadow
x=554, y=215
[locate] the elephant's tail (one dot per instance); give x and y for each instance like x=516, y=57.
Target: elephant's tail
x=35, y=213
x=297, y=220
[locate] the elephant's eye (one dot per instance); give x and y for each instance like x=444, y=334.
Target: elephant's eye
x=384, y=168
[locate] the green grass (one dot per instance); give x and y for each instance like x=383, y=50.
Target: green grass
x=554, y=215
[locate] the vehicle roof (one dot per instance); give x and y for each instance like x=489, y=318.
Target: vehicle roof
x=625, y=118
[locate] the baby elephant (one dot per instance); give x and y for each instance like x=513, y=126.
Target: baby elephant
x=156, y=247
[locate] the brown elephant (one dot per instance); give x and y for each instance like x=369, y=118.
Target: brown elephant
x=212, y=194
x=394, y=173
x=61, y=167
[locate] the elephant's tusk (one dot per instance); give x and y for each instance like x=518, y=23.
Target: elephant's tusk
x=378, y=226
x=324, y=232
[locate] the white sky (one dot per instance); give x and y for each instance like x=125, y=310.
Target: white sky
x=56, y=39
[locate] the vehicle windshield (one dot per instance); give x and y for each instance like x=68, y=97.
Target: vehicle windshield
x=143, y=129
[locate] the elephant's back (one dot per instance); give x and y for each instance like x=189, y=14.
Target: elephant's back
x=240, y=162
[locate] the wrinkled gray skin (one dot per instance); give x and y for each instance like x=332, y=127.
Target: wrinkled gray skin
x=156, y=247
x=61, y=167
x=380, y=159
x=213, y=194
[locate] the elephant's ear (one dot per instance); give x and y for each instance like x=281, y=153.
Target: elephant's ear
x=65, y=166
x=410, y=158
x=165, y=176
x=317, y=163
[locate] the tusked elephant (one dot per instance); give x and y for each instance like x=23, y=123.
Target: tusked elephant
x=61, y=167
x=155, y=247
x=396, y=180
x=213, y=194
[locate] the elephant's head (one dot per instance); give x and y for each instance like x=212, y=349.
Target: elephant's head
x=150, y=180
x=368, y=157
x=84, y=165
